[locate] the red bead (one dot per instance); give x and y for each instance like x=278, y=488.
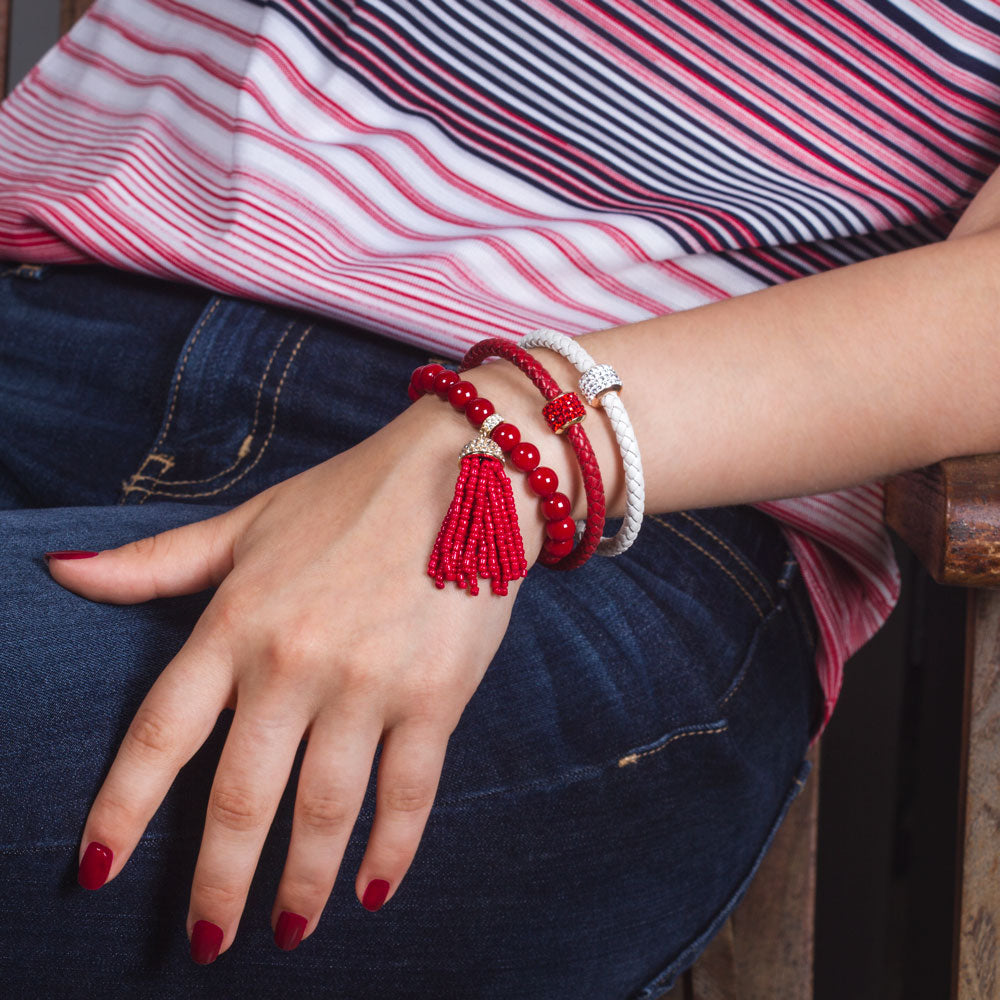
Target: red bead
x=425, y=380
x=525, y=456
x=558, y=549
x=478, y=410
x=561, y=530
x=556, y=506
x=414, y=393
x=506, y=435
x=461, y=394
x=563, y=411
x=543, y=481
x=444, y=380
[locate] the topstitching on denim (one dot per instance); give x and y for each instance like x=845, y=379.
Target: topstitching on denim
x=244, y=448
x=741, y=674
x=263, y=448
x=145, y=484
x=34, y=271
x=727, y=569
x=584, y=772
x=745, y=563
x=167, y=461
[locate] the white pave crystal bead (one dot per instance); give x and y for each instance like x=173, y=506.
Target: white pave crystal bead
x=596, y=381
x=487, y=427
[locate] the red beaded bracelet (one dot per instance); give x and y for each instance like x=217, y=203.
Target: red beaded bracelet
x=561, y=415
x=524, y=455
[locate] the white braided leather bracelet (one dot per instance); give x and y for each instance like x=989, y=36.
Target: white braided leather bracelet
x=599, y=385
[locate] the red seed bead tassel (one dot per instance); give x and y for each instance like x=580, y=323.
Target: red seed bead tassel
x=479, y=536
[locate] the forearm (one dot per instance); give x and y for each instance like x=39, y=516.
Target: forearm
x=818, y=384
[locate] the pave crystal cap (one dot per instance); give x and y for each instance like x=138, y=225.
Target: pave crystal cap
x=598, y=380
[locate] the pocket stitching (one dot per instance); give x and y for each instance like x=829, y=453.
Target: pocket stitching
x=725, y=569
x=712, y=727
x=737, y=679
x=128, y=486
x=263, y=447
x=751, y=570
x=180, y=374
x=581, y=772
x=243, y=454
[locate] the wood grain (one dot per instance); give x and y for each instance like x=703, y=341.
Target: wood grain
x=949, y=515
x=765, y=949
x=4, y=44
x=70, y=11
x=977, y=934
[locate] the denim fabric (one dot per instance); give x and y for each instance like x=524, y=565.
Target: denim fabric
x=608, y=793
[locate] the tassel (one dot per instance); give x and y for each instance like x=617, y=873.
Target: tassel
x=479, y=536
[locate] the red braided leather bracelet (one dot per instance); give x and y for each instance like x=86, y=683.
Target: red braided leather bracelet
x=549, y=388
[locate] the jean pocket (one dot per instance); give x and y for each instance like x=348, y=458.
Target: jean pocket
x=221, y=411
x=664, y=980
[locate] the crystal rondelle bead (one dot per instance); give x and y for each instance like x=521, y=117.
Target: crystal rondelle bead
x=596, y=381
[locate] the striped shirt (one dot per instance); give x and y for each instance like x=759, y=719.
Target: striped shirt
x=440, y=171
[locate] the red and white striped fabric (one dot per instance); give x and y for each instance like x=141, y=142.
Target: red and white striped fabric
x=446, y=170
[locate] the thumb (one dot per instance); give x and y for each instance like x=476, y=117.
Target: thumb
x=179, y=560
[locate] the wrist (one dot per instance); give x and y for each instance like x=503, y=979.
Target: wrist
x=520, y=402
x=445, y=431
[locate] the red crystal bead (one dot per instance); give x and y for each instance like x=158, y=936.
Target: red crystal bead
x=444, y=380
x=478, y=410
x=555, y=506
x=525, y=456
x=561, y=530
x=563, y=411
x=543, y=481
x=558, y=549
x=461, y=394
x=506, y=435
x=425, y=380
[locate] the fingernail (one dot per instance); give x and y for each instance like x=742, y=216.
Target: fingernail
x=375, y=894
x=289, y=930
x=206, y=940
x=70, y=554
x=95, y=865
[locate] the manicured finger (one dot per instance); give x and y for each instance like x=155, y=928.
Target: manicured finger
x=180, y=560
x=174, y=720
x=408, y=774
x=251, y=775
x=331, y=789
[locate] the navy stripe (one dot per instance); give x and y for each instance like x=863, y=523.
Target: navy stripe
x=559, y=138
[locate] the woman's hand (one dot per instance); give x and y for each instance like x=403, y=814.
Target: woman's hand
x=325, y=626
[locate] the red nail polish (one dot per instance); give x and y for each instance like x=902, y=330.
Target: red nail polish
x=375, y=894
x=206, y=940
x=70, y=554
x=95, y=865
x=289, y=930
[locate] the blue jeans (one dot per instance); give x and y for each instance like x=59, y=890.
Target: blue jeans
x=606, y=797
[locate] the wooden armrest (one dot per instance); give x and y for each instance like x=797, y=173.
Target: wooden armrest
x=949, y=515
x=4, y=44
